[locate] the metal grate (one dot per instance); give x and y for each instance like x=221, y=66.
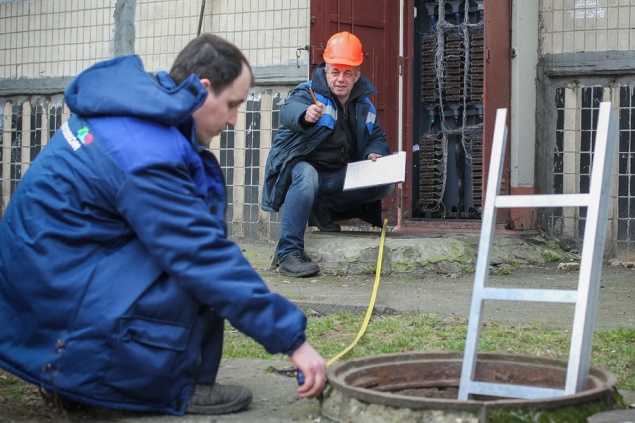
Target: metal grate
x=626, y=171
x=37, y=115
x=16, y=164
x=573, y=156
x=590, y=108
x=226, y=161
x=3, y=201
x=558, y=153
x=277, y=101
x=25, y=128
x=251, y=204
x=55, y=118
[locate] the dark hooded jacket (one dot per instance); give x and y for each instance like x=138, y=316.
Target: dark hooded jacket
x=293, y=141
x=114, y=250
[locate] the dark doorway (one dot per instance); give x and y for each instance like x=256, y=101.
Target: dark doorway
x=448, y=109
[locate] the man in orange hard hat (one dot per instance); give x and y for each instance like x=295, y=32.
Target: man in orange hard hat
x=325, y=123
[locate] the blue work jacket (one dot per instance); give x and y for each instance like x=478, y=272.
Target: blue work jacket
x=114, y=249
x=293, y=141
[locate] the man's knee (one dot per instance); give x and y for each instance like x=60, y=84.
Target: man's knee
x=305, y=176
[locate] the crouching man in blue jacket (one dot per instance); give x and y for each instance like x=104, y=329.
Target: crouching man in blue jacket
x=325, y=124
x=116, y=272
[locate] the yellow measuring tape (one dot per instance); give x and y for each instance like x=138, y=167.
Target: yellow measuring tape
x=371, y=305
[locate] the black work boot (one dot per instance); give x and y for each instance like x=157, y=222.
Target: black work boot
x=297, y=264
x=321, y=217
x=218, y=399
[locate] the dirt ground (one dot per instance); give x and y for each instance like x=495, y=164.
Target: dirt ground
x=275, y=399
x=452, y=295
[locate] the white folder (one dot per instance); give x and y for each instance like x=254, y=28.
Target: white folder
x=367, y=173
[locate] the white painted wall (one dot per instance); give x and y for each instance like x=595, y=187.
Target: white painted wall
x=524, y=61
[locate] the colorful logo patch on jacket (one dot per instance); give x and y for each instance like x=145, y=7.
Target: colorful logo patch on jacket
x=84, y=137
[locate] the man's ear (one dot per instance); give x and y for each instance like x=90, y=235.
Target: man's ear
x=207, y=84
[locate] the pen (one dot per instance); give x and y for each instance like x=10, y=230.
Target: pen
x=300, y=377
x=313, y=95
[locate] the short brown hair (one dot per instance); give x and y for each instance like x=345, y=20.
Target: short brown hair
x=211, y=57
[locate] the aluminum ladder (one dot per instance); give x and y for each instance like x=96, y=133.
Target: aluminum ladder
x=586, y=294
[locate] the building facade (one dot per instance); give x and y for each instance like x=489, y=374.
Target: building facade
x=564, y=57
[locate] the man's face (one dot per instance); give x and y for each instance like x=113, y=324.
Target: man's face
x=340, y=79
x=220, y=110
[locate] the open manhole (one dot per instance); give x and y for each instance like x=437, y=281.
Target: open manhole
x=423, y=387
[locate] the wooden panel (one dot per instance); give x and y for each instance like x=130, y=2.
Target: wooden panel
x=497, y=82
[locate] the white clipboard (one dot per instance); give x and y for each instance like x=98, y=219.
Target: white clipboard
x=367, y=173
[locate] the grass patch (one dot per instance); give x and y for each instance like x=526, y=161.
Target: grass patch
x=329, y=334
x=504, y=269
x=551, y=256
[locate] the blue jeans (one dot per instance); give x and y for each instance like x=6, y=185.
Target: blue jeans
x=309, y=184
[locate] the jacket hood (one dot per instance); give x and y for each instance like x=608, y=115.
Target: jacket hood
x=122, y=87
x=362, y=88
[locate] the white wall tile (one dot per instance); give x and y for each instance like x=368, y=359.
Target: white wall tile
x=624, y=17
x=588, y=25
x=545, y=43
x=600, y=40
x=612, y=39
x=557, y=45
x=623, y=39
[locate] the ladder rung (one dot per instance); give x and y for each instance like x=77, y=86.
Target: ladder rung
x=538, y=295
x=546, y=200
x=514, y=391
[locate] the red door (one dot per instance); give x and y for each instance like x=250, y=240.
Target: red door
x=376, y=24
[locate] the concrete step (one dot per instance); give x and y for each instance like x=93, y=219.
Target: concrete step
x=355, y=252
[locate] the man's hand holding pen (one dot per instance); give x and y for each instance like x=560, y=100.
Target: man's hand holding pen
x=313, y=113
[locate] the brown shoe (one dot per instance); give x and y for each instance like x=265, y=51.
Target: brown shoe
x=218, y=399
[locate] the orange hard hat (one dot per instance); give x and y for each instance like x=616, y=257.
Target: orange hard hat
x=344, y=48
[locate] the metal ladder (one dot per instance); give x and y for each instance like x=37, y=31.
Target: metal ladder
x=586, y=294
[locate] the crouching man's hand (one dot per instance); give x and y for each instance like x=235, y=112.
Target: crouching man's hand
x=313, y=368
x=313, y=113
x=373, y=156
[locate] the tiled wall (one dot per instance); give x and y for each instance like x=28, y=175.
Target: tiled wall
x=268, y=31
x=163, y=28
x=41, y=38
x=570, y=26
x=25, y=128
x=47, y=39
